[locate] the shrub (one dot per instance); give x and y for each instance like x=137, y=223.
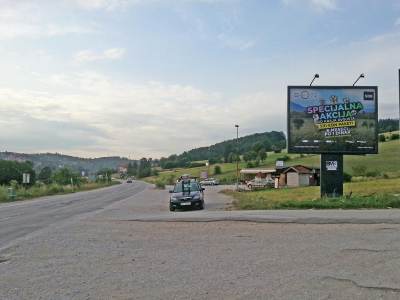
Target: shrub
x=374, y=173
x=346, y=177
x=283, y=158
x=217, y=170
x=249, y=165
x=394, y=136
x=382, y=138
x=160, y=184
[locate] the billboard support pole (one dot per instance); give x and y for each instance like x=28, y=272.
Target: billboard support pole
x=331, y=175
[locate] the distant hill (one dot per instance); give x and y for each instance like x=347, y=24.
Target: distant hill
x=55, y=160
x=267, y=141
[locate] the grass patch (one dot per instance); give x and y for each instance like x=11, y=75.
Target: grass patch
x=380, y=193
x=48, y=190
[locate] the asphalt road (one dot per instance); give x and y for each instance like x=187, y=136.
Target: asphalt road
x=123, y=243
x=19, y=219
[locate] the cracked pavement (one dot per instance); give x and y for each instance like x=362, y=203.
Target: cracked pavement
x=96, y=251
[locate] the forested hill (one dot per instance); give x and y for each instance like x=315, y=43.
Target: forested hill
x=56, y=160
x=251, y=145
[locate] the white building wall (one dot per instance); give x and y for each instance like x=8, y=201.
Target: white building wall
x=292, y=179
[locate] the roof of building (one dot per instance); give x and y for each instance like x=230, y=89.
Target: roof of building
x=256, y=171
x=301, y=169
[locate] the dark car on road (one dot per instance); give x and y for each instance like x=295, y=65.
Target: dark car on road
x=186, y=194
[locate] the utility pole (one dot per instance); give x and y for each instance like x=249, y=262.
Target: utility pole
x=237, y=157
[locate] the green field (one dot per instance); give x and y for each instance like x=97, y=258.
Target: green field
x=378, y=193
x=386, y=163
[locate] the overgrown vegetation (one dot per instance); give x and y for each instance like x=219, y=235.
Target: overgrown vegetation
x=40, y=190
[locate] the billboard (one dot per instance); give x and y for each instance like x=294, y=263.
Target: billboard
x=333, y=119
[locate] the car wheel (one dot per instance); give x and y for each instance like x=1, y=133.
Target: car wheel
x=171, y=208
x=201, y=206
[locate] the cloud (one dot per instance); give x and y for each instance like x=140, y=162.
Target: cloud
x=317, y=5
x=397, y=22
x=26, y=20
x=91, y=114
x=90, y=55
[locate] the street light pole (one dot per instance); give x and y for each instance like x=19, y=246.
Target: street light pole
x=237, y=157
x=315, y=77
x=362, y=75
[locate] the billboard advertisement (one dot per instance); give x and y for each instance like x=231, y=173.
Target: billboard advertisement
x=333, y=119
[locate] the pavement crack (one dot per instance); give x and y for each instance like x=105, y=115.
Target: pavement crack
x=3, y=259
x=369, y=287
x=366, y=250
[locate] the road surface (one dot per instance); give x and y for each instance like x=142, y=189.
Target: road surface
x=123, y=243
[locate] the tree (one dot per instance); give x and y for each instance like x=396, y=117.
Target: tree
x=144, y=168
x=132, y=168
x=13, y=170
x=217, y=170
x=262, y=154
x=64, y=176
x=257, y=147
x=45, y=175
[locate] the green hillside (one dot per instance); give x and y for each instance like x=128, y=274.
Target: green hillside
x=386, y=163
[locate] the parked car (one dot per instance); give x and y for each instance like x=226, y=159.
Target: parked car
x=129, y=180
x=186, y=194
x=260, y=183
x=209, y=181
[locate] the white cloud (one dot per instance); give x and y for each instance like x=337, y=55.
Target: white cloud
x=397, y=22
x=25, y=20
x=90, y=55
x=148, y=119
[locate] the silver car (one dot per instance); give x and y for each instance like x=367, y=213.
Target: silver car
x=209, y=181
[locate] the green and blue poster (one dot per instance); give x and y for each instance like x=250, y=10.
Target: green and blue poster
x=332, y=119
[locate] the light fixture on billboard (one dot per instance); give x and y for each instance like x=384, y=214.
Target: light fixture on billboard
x=315, y=77
x=362, y=75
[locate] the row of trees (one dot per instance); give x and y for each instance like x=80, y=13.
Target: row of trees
x=13, y=170
x=141, y=169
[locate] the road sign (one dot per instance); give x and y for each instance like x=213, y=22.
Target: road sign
x=26, y=178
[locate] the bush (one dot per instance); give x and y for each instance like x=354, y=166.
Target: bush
x=250, y=165
x=217, y=170
x=160, y=184
x=394, y=136
x=197, y=164
x=382, y=138
x=346, y=177
x=374, y=173
x=283, y=158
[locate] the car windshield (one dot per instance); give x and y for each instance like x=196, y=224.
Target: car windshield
x=186, y=187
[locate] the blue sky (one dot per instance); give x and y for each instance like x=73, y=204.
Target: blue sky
x=155, y=77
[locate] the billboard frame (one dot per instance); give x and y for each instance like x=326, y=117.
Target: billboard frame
x=333, y=87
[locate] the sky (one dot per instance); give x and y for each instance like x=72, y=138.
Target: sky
x=149, y=78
